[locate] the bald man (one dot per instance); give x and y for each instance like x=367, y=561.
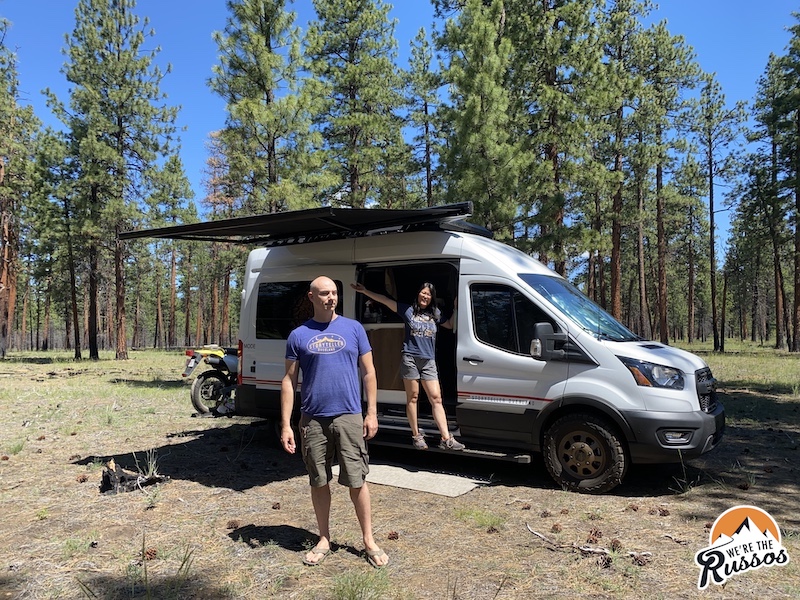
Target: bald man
x=329, y=349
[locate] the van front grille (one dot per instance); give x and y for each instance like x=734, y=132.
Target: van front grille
x=706, y=390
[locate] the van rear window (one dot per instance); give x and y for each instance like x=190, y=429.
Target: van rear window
x=282, y=306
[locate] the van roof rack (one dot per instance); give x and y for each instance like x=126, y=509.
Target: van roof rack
x=318, y=224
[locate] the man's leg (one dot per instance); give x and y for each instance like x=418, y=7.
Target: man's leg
x=321, y=501
x=363, y=505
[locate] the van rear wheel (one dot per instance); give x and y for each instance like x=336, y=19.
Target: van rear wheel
x=583, y=453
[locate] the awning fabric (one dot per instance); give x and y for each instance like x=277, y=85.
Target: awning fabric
x=316, y=224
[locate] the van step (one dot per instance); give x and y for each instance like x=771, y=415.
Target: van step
x=400, y=424
x=519, y=458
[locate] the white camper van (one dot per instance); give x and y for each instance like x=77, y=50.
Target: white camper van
x=532, y=368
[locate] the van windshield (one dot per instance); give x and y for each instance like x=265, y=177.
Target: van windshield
x=588, y=315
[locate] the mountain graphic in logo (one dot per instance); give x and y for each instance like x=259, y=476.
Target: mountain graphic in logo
x=743, y=538
x=326, y=343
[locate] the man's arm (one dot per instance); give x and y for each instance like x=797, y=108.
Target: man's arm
x=288, y=389
x=371, y=392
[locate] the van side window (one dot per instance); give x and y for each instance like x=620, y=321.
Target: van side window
x=504, y=318
x=282, y=306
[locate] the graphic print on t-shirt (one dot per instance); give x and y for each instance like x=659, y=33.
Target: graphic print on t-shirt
x=326, y=343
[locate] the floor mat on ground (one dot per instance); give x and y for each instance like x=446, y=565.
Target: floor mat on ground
x=412, y=478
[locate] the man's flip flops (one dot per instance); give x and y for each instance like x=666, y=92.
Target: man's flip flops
x=374, y=555
x=323, y=555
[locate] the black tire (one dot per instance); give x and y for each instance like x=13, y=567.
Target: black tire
x=583, y=453
x=207, y=391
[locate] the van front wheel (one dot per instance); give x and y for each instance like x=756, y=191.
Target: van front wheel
x=583, y=453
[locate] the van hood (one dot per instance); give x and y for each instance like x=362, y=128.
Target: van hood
x=658, y=353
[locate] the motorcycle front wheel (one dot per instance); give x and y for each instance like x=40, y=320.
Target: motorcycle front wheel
x=207, y=391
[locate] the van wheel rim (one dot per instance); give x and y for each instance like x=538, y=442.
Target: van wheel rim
x=582, y=455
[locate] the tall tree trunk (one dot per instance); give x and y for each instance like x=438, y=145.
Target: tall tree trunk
x=136, y=342
x=724, y=312
x=644, y=309
x=225, y=334
x=198, y=334
x=25, y=312
x=616, y=229
x=94, y=351
x=48, y=302
x=795, y=347
x=213, y=321
x=119, y=276
x=712, y=251
x=157, y=335
x=173, y=299
x=662, y=249
x=8, y=276
x=73, y=285
x=690, y=294
x=187, y=303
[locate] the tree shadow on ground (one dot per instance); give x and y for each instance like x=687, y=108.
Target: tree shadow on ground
x=109, y=587
x=169, y=384
x=238, y=456
x=173, y=586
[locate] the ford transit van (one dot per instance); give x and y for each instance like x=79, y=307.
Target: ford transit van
x=532, y=368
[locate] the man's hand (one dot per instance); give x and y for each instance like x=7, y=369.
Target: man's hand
x=370, y=426
x=287, y=440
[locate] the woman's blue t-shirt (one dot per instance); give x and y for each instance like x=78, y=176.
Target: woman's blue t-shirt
x=328, y=354
x=420, y=338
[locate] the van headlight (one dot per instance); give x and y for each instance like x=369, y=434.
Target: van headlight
x=652, y=375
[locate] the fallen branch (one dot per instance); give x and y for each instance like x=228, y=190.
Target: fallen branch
x=115, y=479
x=639, y=558
x=517, y=500
x=676, y=540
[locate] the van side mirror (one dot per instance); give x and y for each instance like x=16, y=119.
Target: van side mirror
x=543, y=344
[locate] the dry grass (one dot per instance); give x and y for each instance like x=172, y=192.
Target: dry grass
x=235, y=516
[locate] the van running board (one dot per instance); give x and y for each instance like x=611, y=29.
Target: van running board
x=522, y=459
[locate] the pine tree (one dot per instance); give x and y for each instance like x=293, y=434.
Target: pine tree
x=480, y=156
x=717, y=127
x=119, y=125
x=358, y=94
x=790, y=107
x=423, y=85
x=769, y=135
x=669, y=69
x=267, y=132
x=17, y=130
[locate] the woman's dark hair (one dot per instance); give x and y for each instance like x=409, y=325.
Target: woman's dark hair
x=431, y=309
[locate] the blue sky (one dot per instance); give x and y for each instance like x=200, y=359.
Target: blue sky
x=732, y=38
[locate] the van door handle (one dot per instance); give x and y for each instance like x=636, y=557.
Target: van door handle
x=473, y=359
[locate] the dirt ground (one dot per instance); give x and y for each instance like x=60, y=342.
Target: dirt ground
x=233, y=516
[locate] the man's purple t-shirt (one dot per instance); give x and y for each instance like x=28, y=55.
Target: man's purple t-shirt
x=420, y=339
x=328, y=354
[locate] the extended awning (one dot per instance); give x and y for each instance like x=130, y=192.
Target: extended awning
x=317, y=224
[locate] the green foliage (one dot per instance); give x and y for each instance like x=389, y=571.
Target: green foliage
x=356, y=88
x=361, y=585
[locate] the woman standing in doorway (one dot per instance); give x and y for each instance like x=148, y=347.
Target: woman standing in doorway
x=418, y=359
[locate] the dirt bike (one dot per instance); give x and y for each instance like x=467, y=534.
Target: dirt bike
x=212, y=388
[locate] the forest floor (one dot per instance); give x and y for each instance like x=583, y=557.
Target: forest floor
x=232, y=516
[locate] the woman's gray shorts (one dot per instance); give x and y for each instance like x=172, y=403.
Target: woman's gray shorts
x=323, y=438
x=416, y=367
